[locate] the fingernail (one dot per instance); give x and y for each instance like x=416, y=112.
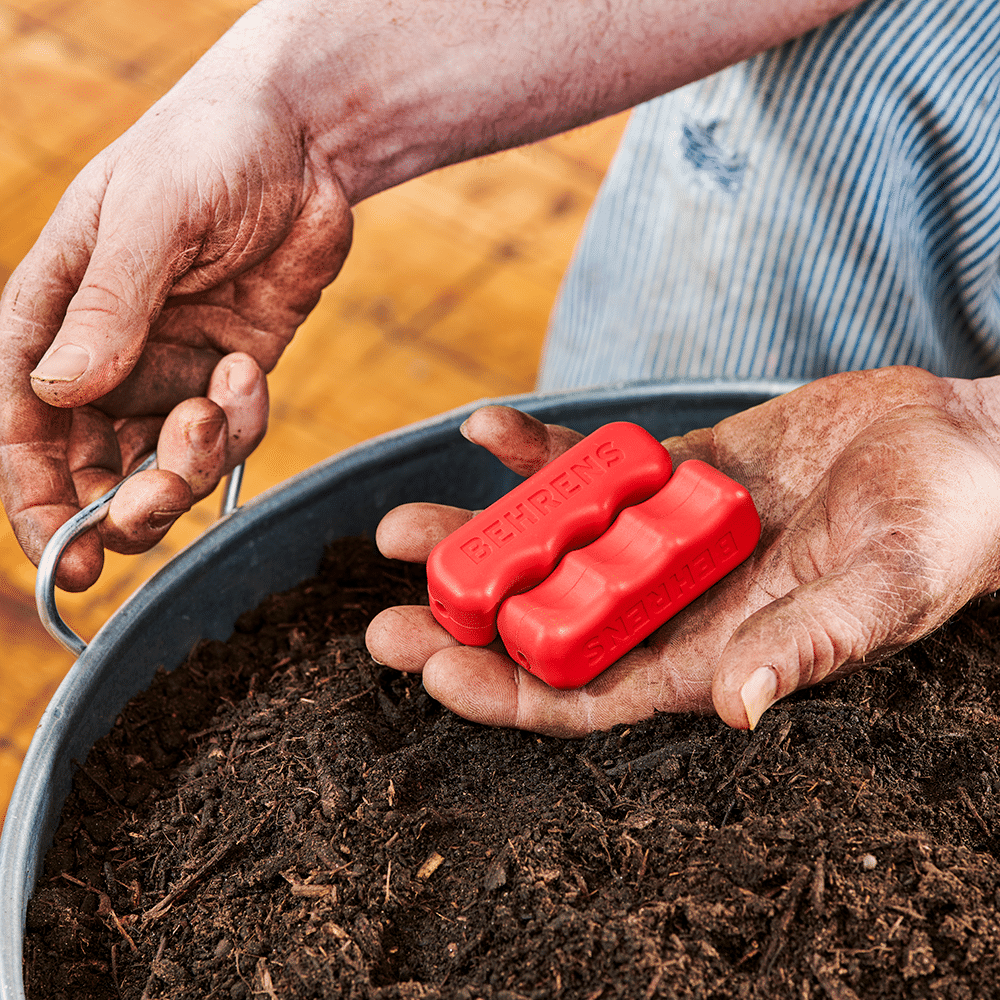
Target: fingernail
x=64, y=364
x=242, y=377
x=162, y=518
x=204, y=435
x=464, y=429
x=758, y=693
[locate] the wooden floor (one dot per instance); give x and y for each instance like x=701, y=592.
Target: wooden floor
x=443, y=301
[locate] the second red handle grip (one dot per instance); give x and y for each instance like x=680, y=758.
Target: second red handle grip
x=658, y=556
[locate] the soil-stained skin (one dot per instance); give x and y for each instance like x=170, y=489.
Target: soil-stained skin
x=281, y=817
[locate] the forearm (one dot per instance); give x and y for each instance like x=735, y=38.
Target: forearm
x=388, y=90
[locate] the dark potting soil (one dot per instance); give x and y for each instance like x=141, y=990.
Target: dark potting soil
x=280, y=818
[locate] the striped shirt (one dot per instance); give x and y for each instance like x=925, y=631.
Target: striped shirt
x=830, y=205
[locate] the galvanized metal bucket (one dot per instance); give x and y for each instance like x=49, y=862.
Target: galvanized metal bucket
x=271, y=544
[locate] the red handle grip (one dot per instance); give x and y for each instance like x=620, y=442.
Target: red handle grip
x=656, y=558
x=517, y=541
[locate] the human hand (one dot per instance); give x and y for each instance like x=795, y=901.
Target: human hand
x=168, y=281
x=879, y=494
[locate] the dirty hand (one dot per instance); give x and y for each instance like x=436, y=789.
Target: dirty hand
x=879, y=494
x=171, y=276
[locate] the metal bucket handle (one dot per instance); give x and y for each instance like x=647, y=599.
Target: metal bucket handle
x=91, y=515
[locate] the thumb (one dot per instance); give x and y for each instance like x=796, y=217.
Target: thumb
x=805, y=637
x=103, y=332
x=114, y=288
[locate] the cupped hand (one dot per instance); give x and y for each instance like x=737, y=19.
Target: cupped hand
x=168, y=281
x=879, y=494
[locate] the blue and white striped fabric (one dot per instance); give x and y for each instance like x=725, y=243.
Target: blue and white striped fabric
x=833, y=204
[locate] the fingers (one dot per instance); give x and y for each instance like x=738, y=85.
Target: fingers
x=410, y=532
x=95, y=458
x=164, y=375
x=81, y=563
x=484, y=685
x=199, y=442
x=521, y=442
x=93, y=455
x=239, y=387
x=38, y=490
x=191, y=455
x=143, y=510
x=406, y=637
x=480, y=684
x=193, y=444
x=487, y=686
